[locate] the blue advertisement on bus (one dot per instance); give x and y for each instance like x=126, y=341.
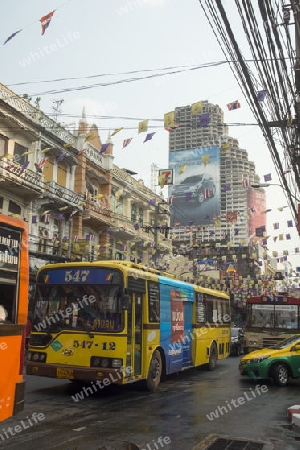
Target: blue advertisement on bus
x=176, y=324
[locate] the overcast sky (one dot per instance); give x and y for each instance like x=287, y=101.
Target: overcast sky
x=96, y=37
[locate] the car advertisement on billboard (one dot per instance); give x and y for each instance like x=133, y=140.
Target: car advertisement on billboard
x=195, y=194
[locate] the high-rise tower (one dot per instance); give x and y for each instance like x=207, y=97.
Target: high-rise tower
x=235, y=175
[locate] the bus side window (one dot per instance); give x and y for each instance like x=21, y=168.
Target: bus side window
x=154, y=311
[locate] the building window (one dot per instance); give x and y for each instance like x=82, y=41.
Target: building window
x=62, y=174
x=19, y=154
x=133, y=213
x=1, y=202
x=95, y=193
x=14, y=208
x=48, y=170
x=3, y=145
x=141, y=217
x=119, y=205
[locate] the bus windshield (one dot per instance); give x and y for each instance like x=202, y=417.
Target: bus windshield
x=273, y=316
x=87, y=307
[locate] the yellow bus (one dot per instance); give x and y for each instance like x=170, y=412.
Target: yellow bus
x=14, y=279
x=120, y=322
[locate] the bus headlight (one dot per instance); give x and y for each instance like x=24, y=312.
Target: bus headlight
x=36, y=357
x=96, y=361
x=104, y=362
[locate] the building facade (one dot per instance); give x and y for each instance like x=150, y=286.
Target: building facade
x=78, y=203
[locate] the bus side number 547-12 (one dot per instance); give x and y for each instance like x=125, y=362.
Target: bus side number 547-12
x=78, y=276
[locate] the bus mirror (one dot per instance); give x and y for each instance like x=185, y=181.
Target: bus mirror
x=125, y=301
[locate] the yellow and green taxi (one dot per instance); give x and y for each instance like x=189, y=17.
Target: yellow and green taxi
x=279, y=363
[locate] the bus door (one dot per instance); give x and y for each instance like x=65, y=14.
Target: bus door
x=187, y=340
x=134, y=340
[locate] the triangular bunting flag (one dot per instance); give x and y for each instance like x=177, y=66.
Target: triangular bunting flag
x=116, y=131
x=11, y=36
x=148, y=137
x=126, y=142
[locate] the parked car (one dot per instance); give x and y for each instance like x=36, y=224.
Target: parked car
x=196, y=188
x=278, y=363
x=237, y=341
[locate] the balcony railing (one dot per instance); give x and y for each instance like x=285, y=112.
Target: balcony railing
x=124, y=228
x=34, y=115
x=92, y=210
x=56, y=191
x=14, y=173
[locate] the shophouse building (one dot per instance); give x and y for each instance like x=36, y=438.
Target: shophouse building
x=78, y=203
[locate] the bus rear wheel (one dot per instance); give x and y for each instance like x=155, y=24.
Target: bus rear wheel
x=155, y=371
x=213, y=357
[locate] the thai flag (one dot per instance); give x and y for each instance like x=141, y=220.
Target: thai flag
x=126, y=142
x=41, y=163
x=233, y=105
x=45, y=21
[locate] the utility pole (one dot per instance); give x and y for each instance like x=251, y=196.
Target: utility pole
x=194, y=256
x=156, y=234
x=70, y=238
x=158, y=227
x=296, y=12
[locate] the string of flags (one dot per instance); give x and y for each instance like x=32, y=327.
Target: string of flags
x=170, y=124
x=45, y=22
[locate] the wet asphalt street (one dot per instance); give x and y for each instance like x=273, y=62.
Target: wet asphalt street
x=188, y=412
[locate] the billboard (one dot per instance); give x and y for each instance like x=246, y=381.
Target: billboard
x=256, y=203
x=195, y=195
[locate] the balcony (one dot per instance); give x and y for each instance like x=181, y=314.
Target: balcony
x=164, y=243
x=60, y=195
x=95, y=215
x=19, y=181
x=123, y=230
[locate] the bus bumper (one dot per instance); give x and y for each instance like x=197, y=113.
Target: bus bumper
x=106, y=375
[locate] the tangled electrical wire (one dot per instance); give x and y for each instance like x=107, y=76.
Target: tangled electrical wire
x=268, y=38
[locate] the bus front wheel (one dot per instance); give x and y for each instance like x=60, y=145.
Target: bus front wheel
x=213, y=357
x=155, y=371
